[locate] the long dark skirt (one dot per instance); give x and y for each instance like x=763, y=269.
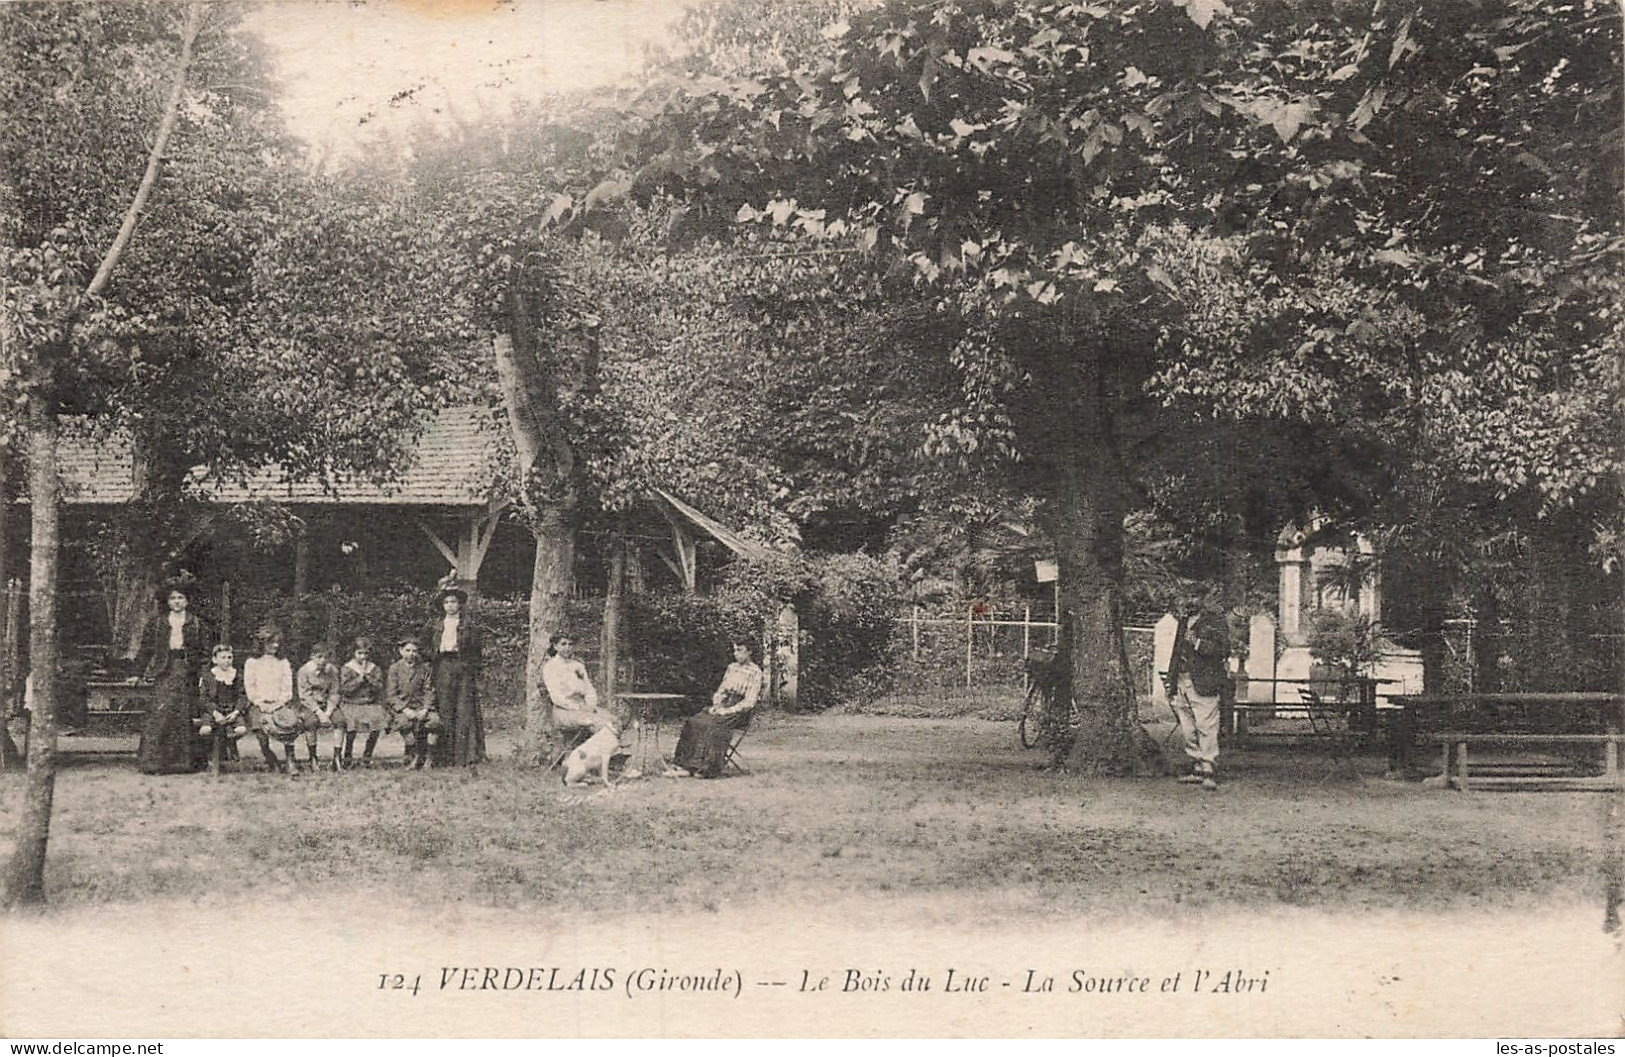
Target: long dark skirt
x=702, y=748
x=462, y=733
x=169, y=742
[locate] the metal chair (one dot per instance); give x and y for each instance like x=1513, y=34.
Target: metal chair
x=733, y=759
x=1330, y=725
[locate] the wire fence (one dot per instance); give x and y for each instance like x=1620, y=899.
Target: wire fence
x=983, y=647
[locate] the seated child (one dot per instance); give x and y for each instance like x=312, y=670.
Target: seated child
x=268, y=685
x=361, y=691
x=220, y=706
x=409, y=696
x=317, y=685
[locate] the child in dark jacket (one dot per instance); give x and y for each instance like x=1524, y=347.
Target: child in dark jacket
x=409, y=695
x=222, y=706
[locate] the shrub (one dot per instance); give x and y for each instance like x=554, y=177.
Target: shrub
x=849, y=619
x=1351, y=645
x=675, y=642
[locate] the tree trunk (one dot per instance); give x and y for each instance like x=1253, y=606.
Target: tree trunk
x=1086, y=511
x=135, y=572
x=133, y=603
x=25, y=873
x=549, y=493
x=9, y=755
x=1089, y=537
x=549, y=594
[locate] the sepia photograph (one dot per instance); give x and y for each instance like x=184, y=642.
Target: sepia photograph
x=728, y=519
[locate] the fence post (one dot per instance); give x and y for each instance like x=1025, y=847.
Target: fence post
x=1026, y=645
x=970, y=641
x=225, y=612
x=914, y=627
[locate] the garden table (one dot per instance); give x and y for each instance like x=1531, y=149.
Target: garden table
x=646, y=710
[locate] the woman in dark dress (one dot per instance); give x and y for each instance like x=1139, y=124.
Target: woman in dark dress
x=454, y=645
x=702, y=748
x=178, y=646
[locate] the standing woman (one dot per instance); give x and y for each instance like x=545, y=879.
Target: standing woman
x=454, y=646
x=177, y=646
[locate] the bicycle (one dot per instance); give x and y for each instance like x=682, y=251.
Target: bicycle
x=1046, y=678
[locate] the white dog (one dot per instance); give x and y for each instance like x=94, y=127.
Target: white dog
x=591, y=755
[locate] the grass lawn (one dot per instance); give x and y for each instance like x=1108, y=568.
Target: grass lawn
x=892, y=807
x=873, y=845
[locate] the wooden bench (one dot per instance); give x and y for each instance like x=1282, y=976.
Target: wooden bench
x=1457, y=771
x=113, y=712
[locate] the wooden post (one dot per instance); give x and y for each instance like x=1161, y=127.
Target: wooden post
x=787, y=658
x=1026, y=647
x=609, y=645
x=225, y=612
x=914, y=628
x=970, y=641
x=301, y=565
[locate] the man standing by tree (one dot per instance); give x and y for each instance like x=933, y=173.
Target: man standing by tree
x=1195, y=680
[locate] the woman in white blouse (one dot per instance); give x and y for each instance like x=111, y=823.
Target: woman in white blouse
x=702, y=748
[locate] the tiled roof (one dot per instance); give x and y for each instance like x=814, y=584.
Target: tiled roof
x=452, y=465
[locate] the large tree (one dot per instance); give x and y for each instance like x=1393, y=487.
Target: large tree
x=90, y=62
x=174, y=274
x=1072, y=177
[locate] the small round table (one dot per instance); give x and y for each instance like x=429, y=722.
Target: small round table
x=646, y=710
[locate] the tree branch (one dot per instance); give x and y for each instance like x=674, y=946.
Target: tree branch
x=189, y=32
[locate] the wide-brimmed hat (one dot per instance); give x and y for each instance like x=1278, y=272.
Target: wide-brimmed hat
x=186, y=585
x=449, y=585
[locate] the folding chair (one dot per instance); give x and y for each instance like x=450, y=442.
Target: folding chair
x=1330, y=725
x=732, y=759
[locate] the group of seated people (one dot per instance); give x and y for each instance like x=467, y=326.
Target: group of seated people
x=202, y=702
x=268, y=699
x=702, y=748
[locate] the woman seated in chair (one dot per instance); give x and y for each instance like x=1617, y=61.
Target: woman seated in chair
x=702, y=749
